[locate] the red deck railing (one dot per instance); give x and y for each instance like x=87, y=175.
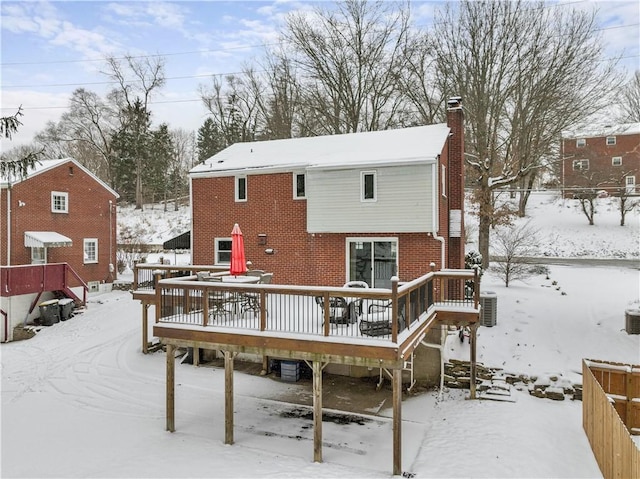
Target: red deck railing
x=38, y=278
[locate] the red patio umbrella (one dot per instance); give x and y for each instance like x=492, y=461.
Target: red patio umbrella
x=238, y=261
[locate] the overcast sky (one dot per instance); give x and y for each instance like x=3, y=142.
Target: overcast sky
x=51, y=48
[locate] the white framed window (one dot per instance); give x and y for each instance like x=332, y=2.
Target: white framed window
x=299, y=186
x=368, y=186
x=611, y=140
x=581, y=142
x=241, y=188
x=616, y=161
x=222, y=251
x=443, y=179
x=38, y=255
x=90, y=250
x=580, y=165
x=59, y=202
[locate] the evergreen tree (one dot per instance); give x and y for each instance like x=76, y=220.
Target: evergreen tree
x=210, y=140
x=131, y=152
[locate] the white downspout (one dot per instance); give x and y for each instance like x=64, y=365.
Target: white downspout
x=434, y=187
x=8, y=222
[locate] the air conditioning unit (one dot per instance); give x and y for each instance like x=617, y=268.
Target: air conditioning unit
x=488, y=308
x=94, y=286
x=632, y=321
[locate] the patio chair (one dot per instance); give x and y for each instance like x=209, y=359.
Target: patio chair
x=251, y=301
x=255, y=272
x=377, y=321
x=339, y=309
x=218, y=300
x=359, y=301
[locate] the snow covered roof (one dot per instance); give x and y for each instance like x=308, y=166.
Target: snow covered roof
x=45, y=165
x=596, y=131
x=406, y=145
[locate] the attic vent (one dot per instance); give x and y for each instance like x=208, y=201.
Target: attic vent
x=94, y=286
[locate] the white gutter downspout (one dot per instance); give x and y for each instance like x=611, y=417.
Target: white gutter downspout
x=8, y=222
x=434, y=188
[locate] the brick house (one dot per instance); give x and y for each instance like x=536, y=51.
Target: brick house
x=59, y=213
x=601, y=158
x=331, y=209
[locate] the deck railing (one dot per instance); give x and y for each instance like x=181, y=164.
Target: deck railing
x=371, y=313
x=145, y=275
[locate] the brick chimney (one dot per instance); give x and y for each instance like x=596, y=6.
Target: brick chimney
x=455, y=180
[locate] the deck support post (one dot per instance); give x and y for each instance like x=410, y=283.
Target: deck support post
x=145, y=328
x=317, y=411
x=397, y=422
x=196, y=356
x=228, y=396
x=171, y=367
x=472, y=360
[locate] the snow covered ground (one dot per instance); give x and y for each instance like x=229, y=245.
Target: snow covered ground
x=80, y=400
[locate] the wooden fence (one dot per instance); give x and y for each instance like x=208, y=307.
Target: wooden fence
x=610, y=414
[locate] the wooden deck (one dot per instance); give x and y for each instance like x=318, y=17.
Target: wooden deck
x=289, y=322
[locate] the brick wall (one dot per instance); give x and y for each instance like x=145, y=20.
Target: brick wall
x=88, y=217
x=601, y=171
x=455, y=178
x=299, y=257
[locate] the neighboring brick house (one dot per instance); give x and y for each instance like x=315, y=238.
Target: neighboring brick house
x=601, y=158
x=330, y=209
x=59, y=213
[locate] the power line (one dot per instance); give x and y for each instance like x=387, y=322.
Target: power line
x=241, y=47
x=113, y=82
x=155, y=55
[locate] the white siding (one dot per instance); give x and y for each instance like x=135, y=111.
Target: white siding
x=404, y=201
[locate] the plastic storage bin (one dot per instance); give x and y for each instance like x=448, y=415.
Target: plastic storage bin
x=290, y=371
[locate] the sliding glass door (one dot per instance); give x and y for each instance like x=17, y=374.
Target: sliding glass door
x=372, y=261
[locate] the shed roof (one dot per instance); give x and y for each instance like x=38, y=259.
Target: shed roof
x=182, y=241
x=406, y=145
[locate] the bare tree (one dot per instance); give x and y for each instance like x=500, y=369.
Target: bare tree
x=512, y=245
x=630, y=100
x=349, y=58
x=183, y=157
x=233, y=106
x=417, y=83
x=526, y=71
x=587, y=200
x=277, y=96
x=137, y=79
x=84, y=132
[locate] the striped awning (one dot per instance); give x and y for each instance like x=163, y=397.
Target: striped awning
x=45, y=239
